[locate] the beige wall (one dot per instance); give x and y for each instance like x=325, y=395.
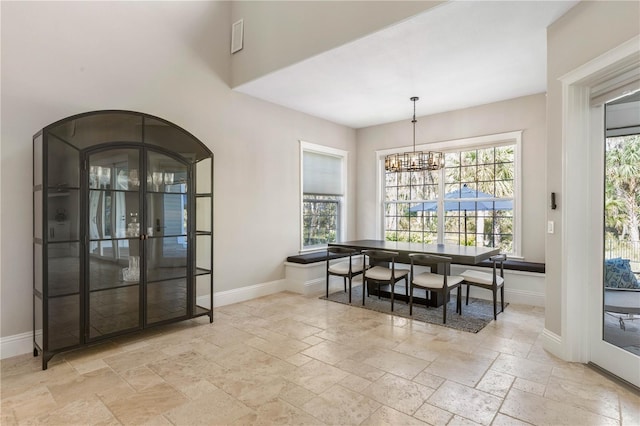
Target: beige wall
x=281, y=33
x=525, y=113
x=169, y=59
x=582, y=34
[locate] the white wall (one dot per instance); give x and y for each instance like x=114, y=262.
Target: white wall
x=169, y=59
x=280, y=33
x=525, y=113
x=582, y=34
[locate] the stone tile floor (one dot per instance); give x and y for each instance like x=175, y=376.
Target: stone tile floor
x=290, y=359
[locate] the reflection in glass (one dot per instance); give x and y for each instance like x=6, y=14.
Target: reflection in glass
x=132, y=272
x=108, y=259
x=166, y=300
x=113, y=310
x=167, y=214
x=166, y=258
x=64, y=321
x=63, y=164
x=133, y=227
x=115, y=169
x=111, y=214
x=165, y=174
x=63, y=268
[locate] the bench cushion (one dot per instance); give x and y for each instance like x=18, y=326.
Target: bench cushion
x=342, y=268
x=517, y=265
x=380, y=273
x=316, y=256
x=430, y=280
x=482, y=278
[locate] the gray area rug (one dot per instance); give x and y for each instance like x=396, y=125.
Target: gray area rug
x=475, y=316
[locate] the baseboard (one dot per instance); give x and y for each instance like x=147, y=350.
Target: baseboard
x=18, y=344
x=318, y=286
x=229, y=297
x=551, y=342
x=524, y=297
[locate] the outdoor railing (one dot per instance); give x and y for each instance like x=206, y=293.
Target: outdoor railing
x=624, y=249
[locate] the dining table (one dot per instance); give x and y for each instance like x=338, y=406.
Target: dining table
x=463, y=255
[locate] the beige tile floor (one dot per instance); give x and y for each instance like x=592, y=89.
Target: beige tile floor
x=290, y=359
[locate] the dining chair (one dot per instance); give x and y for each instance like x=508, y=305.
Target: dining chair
x=432, y=282
x=490, y=281
x=347, y=269
x=379, y=274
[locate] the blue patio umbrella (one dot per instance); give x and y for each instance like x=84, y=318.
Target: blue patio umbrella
x=481, y=201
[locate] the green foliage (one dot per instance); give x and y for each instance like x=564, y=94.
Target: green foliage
x=622, y=187
x=490, y=170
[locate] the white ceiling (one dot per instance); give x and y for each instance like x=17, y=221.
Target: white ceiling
x=457, y=55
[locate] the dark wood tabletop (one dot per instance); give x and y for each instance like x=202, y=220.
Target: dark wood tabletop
x=465, y=255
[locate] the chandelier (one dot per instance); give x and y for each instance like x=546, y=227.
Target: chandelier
x=415, y=160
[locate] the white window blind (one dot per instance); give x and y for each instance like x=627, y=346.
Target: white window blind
x=322, y=174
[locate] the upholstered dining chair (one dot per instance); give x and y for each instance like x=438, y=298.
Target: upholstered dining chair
x=432, y=282
x=490, y=281
x=347, y=269
x=379, y=274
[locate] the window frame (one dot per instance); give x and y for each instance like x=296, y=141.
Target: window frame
x=341, y=230
x=456, y=145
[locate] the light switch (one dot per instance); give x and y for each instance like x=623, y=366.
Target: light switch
x=550, y=225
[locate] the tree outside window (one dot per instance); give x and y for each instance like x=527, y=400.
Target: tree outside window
x=478, y=207
x=323, y=195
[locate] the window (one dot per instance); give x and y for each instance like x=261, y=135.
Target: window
x=323, y=195
x=471, y=201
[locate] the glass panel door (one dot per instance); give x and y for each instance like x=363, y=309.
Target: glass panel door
x=166, y=251
x=61, y=231
x=114, y=250
x=615, y=337
x=622, y=224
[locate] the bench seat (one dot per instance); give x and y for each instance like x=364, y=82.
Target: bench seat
x=514, y=265
x=517, y=265
x=316, y=256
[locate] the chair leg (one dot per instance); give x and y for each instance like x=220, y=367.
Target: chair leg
x=459, y=300
x=364, y=288
x=327, y=284
x=392, y=288
x=467, y=302
x=345, y=284
x=411, y=301
x=502, y=299
x=495, y=311
x=406, y=286
x=349, y=290
x=444, y=308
